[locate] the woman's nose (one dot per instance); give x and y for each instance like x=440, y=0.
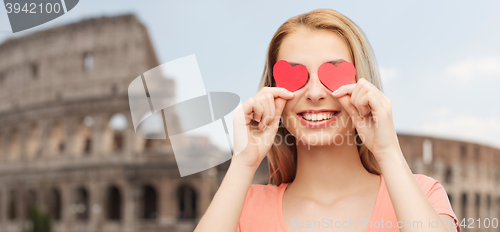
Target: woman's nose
x=315, y=91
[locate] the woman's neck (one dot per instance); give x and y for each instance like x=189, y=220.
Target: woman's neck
x=326, y=173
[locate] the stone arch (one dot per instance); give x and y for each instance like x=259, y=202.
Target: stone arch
x=149, y=202
x=2, y=146
x=15, y=144
x=57, y=138
x=115, y=132
x=88, y=61
x=83, y=137
x=81, y=204
x=114, y=203
x=34, y=148
x=152, y=128
x=187, y=201
x=54, y=204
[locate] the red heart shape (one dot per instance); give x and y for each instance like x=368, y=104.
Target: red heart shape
x=288, y=77
x=335, y=76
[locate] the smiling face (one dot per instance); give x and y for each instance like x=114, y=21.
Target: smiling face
x=307, y=115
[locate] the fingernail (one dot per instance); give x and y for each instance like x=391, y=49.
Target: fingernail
x=264, y=128
x=290, y=92
x=334, y=92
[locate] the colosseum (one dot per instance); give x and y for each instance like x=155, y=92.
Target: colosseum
x=67, y=145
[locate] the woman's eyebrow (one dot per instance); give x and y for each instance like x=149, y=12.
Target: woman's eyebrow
x=337, y=61
x=334, y=62
x=293, y=64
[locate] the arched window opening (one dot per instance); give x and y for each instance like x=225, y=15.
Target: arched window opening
x=450, y=198
x=149, y=202
x=118, y=123
x=489, y=213
x=427, y=151
x=478, y=205
x=88, y=122
x=463, y=151
x=88, y=61
x=81, y=205
x=2, y=77
x=152, y=128
x=34, y=147
x=30, y=203
x=15, y=146
x=187, y=202
x=498, y=206
x=57, y=138
x=12, y=211
x=448, y=175
x=54, y=204
x=464, y=205
x=114, y=204
x=2, y=147
x=34, y=70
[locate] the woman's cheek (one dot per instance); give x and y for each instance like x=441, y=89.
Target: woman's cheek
x=291, y=123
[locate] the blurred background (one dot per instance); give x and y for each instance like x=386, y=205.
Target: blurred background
x=71, y=161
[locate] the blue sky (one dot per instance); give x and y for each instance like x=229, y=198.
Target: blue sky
x=440, y=61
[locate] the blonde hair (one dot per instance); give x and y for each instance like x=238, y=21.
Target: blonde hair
x=282, y=157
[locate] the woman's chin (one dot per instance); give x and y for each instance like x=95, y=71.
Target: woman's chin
x=324, y=136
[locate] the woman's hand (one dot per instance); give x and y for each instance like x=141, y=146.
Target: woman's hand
x=375, y=127
x=256, y=123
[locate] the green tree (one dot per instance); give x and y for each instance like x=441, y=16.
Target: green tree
x=40, y=221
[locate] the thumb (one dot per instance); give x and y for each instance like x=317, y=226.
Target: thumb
x=352, y=111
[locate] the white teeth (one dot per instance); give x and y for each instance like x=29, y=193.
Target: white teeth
x=317, y=117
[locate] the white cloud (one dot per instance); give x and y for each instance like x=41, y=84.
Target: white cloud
x=445, y=123
x=471, y=69
x=388, y=74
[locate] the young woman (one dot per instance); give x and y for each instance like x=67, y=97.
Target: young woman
x=342, y=174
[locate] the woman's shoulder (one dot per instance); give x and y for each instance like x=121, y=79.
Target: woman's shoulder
x=262, y=201
x=261, y=208
x=263, y=192
x=426, y=182
x=424, y=178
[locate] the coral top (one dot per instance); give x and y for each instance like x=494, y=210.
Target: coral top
x=262, y=210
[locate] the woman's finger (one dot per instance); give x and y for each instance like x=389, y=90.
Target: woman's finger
x=272, y=109
x=280, y=105
x=357, y=90
x=345, y=101
x=262, y=99
x=253, y=109
x=373, y=101
x=356, y=96
x=343, y=90
x=278, y=92
x=362, y=104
